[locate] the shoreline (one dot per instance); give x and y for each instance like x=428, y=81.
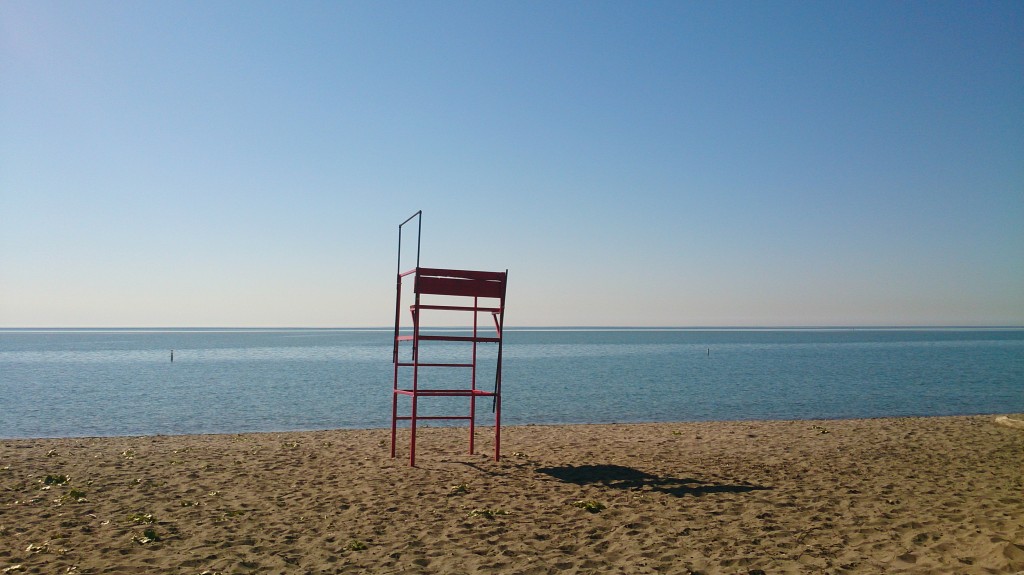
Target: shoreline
x=998, y=416
x=904, y=494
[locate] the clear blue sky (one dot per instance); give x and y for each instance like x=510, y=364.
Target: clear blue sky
x=191, y=163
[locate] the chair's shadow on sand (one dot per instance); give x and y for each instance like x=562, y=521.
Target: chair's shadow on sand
x=621, y=477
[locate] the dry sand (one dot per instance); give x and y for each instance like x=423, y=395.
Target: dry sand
x=906, y=495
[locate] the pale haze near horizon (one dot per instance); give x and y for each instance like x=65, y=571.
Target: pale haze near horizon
x=631, y=164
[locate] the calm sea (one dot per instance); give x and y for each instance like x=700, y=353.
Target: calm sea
x=65, y=383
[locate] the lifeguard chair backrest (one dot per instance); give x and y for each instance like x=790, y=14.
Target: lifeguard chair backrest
x=460, y=283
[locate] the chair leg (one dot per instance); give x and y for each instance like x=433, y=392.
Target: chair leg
x=412, y=437
x=497, y=428
x=472, y=423
x=394, y=422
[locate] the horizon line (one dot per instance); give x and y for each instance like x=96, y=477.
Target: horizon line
x=848, y=327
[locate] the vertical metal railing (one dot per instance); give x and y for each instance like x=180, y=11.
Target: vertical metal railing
x=398, y=287
x=398, y=322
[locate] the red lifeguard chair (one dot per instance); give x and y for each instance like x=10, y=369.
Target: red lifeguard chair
x=449, y=293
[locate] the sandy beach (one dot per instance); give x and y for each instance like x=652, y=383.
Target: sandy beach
x=901, y=495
